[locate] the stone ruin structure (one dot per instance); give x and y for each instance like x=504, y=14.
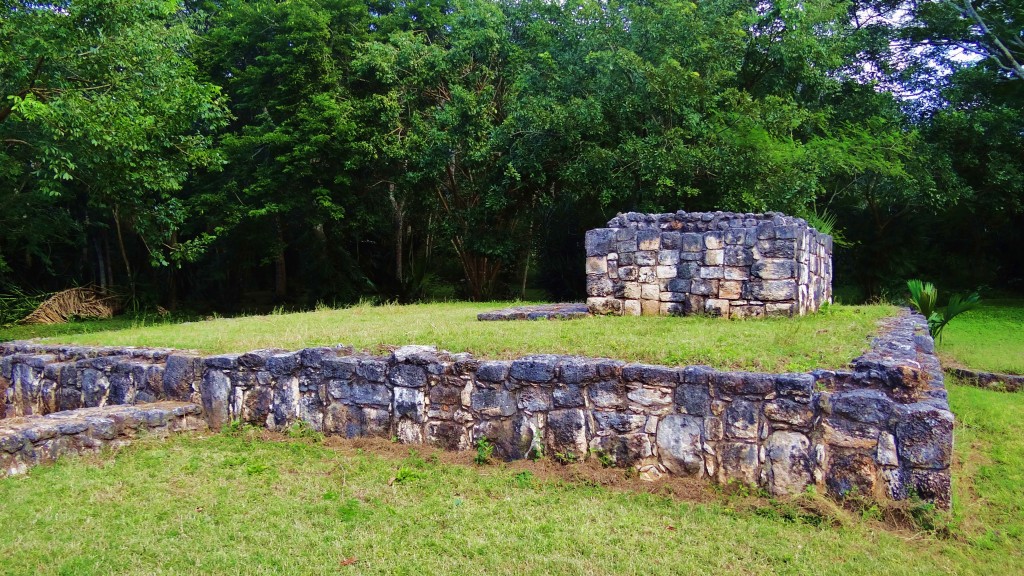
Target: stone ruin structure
x=881, y=428
x=718, y=263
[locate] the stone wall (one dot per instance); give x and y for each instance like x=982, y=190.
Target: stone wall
x=881, y=428
x=34, y=440
x=720, y=263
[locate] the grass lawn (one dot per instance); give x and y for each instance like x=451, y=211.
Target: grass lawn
x=990, y=338
x=242, y=505
x=828, y=340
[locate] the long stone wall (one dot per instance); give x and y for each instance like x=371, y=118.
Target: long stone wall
x=882, y=428
x=719, y=263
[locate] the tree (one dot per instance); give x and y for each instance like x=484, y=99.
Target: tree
x=101, y=120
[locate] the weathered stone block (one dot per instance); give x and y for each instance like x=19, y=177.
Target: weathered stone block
x=789, y=462
x=924, y=436
x=567, y=432
x=773, y=290
x=692, y=242
x=648, y=239
x=538, y=368
x=668, y=258
x=597, y=265
x=789, y=412
x=714, y=257
x=408, y=375
x=608, y=394
x=742, y=420
x=489, y=402
x=738, y=461
x=600, y=285
x=512, y=438
x=448, y=435
x=773, y=269
x=410, y=403
x=599, y=242
x=680, y=445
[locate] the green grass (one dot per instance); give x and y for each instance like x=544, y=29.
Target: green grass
x=829, y=339
x=990, y=338
x=239, y=505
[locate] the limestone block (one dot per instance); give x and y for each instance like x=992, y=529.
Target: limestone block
x=617, y=422
x=694, y=399
x=535, y=399
x=649, y=291
x=408, y=375
x=673, y=308
x=886, y=454
x=737, y=256
x=602, y=305
x=679, y=444
x=567, y=396
x=746, y=311
x=730, y=290
x=631, y=290
x=599, y=285
x=649, y=258
x=608, y=394
x=714, y=241
x=410, y=403
x=512, y=438
x=735, y=236
x=631, y=308
x=673, y=297
x=789, y=412
x=668, y=258
x=736, y=273
x=646, y=275
x=738, y=461
x=597, y=265
x=671, y=242
x=849, y=471
x=779, y=309
x=489, y=402
x=924, y=436
x=666, y=271
x=650, y=307
x=648, y=239
x=536, y=368
x=692, y=242
x=712, y=272
x=773, y=290
x=624, y=450
x=600, y=241
x=694, y=304
x=773, y=269
x=742, y=420
x=567, y=432
x=687, y=270
x=215, y=390
x=789, y=462
x=448, y=435
x=716, y=307
x=714, y=257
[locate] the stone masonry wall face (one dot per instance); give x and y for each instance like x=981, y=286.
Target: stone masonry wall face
x=881, y=428
x=721, y=263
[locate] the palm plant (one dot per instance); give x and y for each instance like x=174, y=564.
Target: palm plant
x=924, y=297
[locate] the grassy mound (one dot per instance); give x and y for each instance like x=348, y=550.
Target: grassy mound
x=827, y=340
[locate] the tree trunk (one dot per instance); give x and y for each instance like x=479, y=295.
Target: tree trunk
x=398, y=217
x=280, y=266
x=124, y=255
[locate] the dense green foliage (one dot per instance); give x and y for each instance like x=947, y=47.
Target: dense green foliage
x=235, y=504
x=240, y=153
